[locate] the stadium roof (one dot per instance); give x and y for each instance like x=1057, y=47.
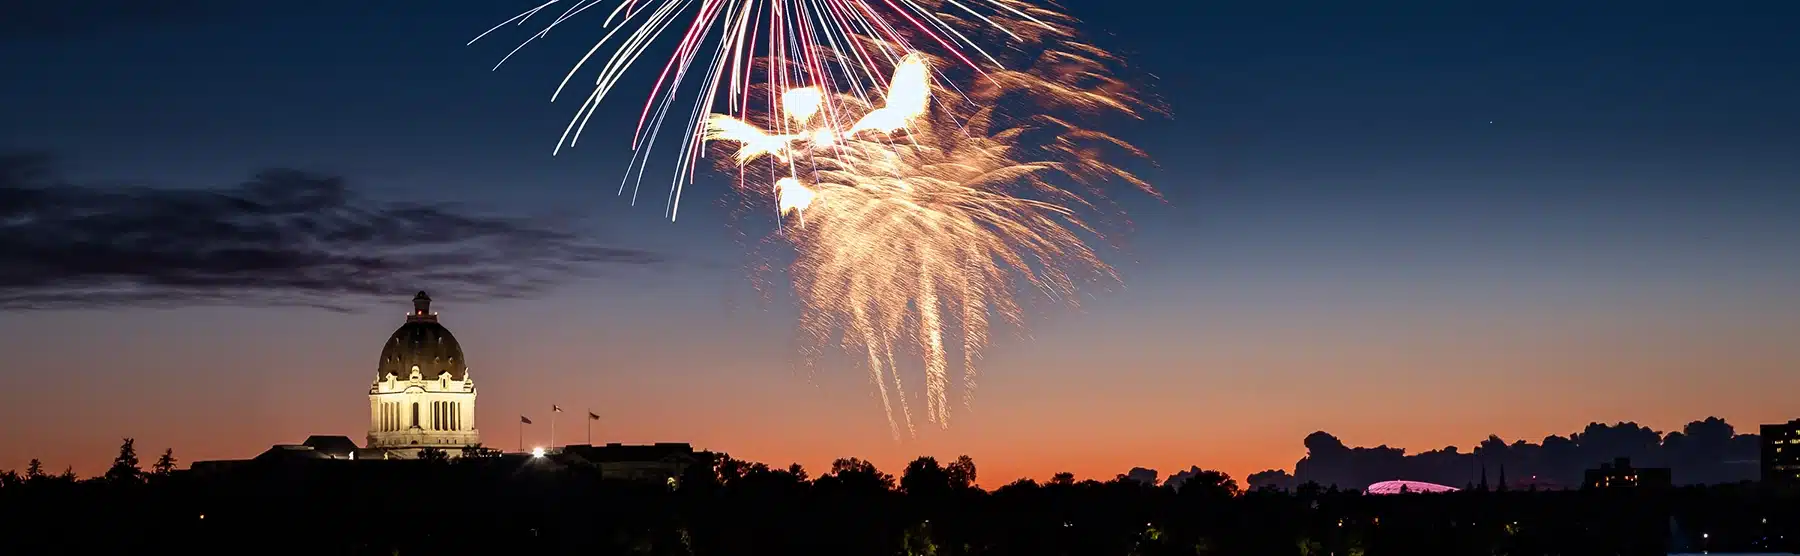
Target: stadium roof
x=1396, y=487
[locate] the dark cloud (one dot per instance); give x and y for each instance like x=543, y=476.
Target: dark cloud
x=63, y=18
x=1142, y=475
x=1276, y=479
x=1708, y=451
x=284, y=237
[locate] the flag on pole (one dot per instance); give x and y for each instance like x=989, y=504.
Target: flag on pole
x=593, y=417
x=555, y=408
x=524, y=420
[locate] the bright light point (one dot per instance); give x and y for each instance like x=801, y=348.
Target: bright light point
x=800, y=104
x=537, y=452
x=794, y=197
x=907, y=96
x=824, y=138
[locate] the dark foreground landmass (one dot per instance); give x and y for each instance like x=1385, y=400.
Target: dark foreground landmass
x=722, y=506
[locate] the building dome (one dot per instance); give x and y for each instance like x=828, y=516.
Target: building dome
x=1397, y=487
x=422, y=343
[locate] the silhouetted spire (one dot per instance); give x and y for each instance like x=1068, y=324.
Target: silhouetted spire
x=1483, y=486
x=1502, y=477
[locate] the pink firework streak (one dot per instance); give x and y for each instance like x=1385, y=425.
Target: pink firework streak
x=796, y=37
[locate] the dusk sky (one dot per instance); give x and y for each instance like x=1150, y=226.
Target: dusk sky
x=1403, y=226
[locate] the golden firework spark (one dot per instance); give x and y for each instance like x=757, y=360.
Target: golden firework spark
x=721, y=40
x=913, y=222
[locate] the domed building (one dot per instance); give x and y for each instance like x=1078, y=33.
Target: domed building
x=422, y=396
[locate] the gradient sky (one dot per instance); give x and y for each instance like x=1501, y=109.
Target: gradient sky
x=1402, y=226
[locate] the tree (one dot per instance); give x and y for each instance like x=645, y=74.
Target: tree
x=924, y=477
x=165, y=464
x=1210, y=483
x=854, y=471
x=962, y=472
x=125, y=467
x=434, y=455
x=478, y=452
x=1063, y=478
x=10, y=479
x=34, y=471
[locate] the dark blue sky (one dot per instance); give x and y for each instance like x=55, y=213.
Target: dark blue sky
x=1375, y=182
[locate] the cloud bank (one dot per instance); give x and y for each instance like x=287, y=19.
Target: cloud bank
x=1708, y=451
x=283, y=237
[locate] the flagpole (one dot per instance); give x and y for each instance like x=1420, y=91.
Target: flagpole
x=553, y=413
x=521, y=434
x=590, y=427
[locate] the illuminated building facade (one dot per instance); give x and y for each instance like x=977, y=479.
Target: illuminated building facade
x=423, y=396
x=1620, y=474
x=1407, y=487
x=1781, y=453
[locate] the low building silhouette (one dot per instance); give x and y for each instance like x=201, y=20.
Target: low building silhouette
x=1620, y=474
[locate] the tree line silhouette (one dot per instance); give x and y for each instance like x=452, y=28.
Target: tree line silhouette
x=487, y=503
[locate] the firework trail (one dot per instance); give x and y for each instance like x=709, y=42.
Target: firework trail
x=917, y=218
x=720, y=42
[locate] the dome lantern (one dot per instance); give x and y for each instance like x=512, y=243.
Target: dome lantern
x=421, y=309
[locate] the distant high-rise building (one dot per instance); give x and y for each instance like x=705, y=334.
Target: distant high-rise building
x=1781, y=453
x=1620, y=474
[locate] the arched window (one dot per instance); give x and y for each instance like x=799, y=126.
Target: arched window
x=415, y=415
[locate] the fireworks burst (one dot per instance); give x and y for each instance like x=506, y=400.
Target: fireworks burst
x=720, y=41
x=914, y=221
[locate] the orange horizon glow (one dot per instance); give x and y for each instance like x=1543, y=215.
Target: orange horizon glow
x=228, y=383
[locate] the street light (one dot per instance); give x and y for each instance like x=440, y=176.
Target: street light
x=537, y=452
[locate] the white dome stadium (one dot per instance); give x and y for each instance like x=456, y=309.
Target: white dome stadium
x=1396, y=487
